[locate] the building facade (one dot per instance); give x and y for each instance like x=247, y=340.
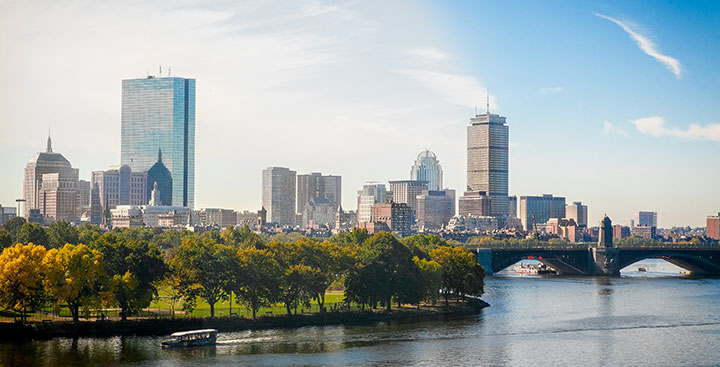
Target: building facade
x=535, y=211
x=43, y=163
x=396, y=216
x=712, y=228
x=119, y=185
x=159, y=114
x=487, y=160
x=646, y=219
x=278, y=195
x=407, y=191
x=219, y=217
x=58, y=197
x=512, y=206
x=160, y=175
x=435, y=209
x=620, y=231
x=474, y=203
x=427, y=168
x=319, y=212
x=315, y=185
x=371, y=194
x=577, y=212
x=648, y=232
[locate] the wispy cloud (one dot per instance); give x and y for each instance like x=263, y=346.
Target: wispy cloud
x=647, y=46
x=430, y=54
x=458, y=89
x=552, y=90
x=609, y=128
x=655, y=126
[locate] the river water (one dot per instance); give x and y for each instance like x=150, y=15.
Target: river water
x=638, y=319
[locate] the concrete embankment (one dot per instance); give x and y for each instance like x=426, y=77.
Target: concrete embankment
x=159, y=327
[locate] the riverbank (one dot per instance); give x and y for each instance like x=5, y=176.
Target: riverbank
x=165, y=326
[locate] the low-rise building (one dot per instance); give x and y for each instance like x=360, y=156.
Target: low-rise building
x=396, y=216
x=473, y=223
x=712, y=229
x=218, y=217
x=620, y=231
x=644, y=231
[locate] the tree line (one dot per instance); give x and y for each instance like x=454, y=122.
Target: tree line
x=85, y=268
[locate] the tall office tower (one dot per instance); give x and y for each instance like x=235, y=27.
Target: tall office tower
x=44, y=162
x=407, y=191
x=487, y=160
x=119, y=185
x=512, y=206
x=83, y=200
x=647, y=219
x=427, y=168
x=159, y=114
x=315, y=185
x=536, y=210
x=578, y=212
x=278, y=195
x=370, y=195
x=712, y=228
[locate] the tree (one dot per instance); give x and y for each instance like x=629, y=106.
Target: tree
x=462, y=275
x=61, y=232
x=241, y=237
x=88, y=233
x=32, y=233
x=134, y=267
x=206, y=270
x=386, y=270
x=431, y=277
x=75, y=275
x=257, y=280
x=329, y=261
x=13, y=225
x=20, y=280
x=5, y=239
x=421, y=244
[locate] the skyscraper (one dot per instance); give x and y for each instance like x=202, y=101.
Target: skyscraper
x=371, y=194
x=647, y=219
x=159, y=114
x=536, y=210
x=44, y=163
x=427, y=168
x=315, y=185
x=407, y=191
x=487, y=160
x=578, y=212
x=278, y=195
x=119, y=185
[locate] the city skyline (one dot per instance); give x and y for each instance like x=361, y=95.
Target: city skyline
x=626, y=153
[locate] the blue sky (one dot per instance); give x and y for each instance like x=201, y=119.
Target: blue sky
x=359, y=88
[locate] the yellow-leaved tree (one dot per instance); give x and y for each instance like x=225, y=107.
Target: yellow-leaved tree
x=21, y=286
x=75, y=275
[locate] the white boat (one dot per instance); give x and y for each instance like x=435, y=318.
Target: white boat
x=192, y=338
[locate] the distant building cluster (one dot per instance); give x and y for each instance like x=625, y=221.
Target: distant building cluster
x=154, y=186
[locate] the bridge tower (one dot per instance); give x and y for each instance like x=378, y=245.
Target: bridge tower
x=604, y=255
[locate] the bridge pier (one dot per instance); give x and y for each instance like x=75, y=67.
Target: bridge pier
x=604, y=261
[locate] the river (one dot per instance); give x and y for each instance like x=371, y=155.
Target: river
x=637, y=319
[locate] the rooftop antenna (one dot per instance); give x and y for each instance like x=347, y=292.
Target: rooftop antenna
x=168, y=71
x=487, y=95
x=160, y=74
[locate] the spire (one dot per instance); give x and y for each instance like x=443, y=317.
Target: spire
x=487, y=95
x=49, y=144
x=159, y=155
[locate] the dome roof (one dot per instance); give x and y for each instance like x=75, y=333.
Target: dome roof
x=426, y=154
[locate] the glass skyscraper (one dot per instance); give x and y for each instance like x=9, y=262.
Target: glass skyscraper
x=159, y=114
x=427, y=168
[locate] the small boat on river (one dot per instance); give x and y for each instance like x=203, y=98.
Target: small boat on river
x=192, y=338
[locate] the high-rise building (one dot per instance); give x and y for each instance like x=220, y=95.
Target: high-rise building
x=487, y=160
x=578, y=212
x=644, y=231
x=159, y=114
x=435, y=209
x=371, y=194
x=58, y=197
x=407, y=191
x=315, y=185
x=712, y=229
x=278, y=195
x=536, y=210
x=427, y=168
x=646, y=219
x=396, y=216
x=512, y=206
x=119, y=185
x=43, y=163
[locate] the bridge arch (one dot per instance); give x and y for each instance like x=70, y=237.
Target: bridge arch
x=695, y=263
x=566, y=262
